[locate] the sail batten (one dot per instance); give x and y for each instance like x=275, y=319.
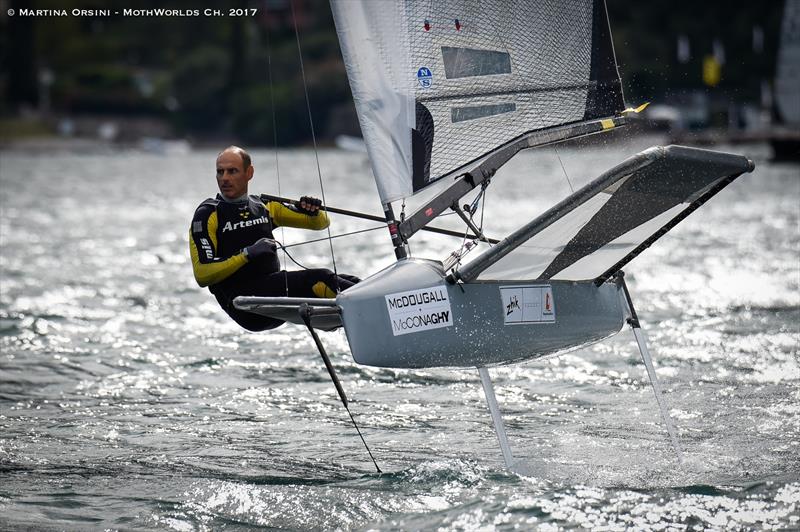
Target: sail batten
x=514, y=92
x=440, y=84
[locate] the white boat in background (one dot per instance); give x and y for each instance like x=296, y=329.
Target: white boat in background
x=785, y=136
x=165, y=146
x=350, y=143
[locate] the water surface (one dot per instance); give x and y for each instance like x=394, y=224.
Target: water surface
x=128, y=400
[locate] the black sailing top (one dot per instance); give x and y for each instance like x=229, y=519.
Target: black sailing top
x=221, y=230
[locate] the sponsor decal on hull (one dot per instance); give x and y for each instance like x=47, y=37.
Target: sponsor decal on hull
x=419, y=310
x=527, y=304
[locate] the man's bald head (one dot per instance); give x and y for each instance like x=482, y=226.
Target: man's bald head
x=241, y=152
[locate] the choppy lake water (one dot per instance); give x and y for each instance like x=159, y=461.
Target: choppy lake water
x=128, y=400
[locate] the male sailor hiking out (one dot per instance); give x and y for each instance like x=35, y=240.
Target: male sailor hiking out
x=233, y=251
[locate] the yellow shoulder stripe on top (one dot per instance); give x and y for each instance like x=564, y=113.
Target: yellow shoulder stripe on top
x=213, y=223
x=283, y=215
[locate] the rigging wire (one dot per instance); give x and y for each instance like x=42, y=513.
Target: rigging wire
x=286, y=251
x=340, y=235
x=306, y=313
x=471, y=211
x=313, y=137
x=564, y=169
x=275, y=147
x=280, y=245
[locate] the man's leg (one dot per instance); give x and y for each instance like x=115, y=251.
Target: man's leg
x=271, y=285
x=315, y=282
x=248, y=320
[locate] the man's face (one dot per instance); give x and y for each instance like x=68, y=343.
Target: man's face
x=232, y=178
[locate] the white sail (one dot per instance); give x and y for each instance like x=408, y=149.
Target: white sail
x=438, y=85
x=374, y=44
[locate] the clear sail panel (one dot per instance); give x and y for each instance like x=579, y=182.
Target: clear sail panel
x=605, y=224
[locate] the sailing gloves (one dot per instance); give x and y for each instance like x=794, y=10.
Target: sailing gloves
x=263, y=252
x=308, y=205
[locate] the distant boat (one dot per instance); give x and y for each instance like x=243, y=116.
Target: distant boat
x=350, y=143
x=785, y=137
x=165, y=146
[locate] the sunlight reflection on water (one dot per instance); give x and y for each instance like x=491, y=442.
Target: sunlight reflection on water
x=130, y=400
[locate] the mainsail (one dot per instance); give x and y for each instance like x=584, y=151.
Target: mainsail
x=438, y=85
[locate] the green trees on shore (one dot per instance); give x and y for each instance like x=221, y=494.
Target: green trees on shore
x=208, y=76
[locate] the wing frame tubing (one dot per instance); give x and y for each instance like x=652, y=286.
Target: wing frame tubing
x=242, y=301
x=491, y=162
x=538, y=224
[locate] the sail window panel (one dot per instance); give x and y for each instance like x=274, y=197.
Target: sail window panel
x=505, y=46
x=462, y=114
x=469, y=62
x=529, y=260
x=455, y=145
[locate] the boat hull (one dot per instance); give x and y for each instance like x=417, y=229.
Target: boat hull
x=408, y=316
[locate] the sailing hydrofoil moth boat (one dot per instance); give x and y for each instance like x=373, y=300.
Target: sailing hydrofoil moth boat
x=449, y=91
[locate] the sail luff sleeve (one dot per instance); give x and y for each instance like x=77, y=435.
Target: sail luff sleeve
x=372, y=37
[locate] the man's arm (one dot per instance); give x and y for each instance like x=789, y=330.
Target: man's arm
x=208, y=267
x=288, y=216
